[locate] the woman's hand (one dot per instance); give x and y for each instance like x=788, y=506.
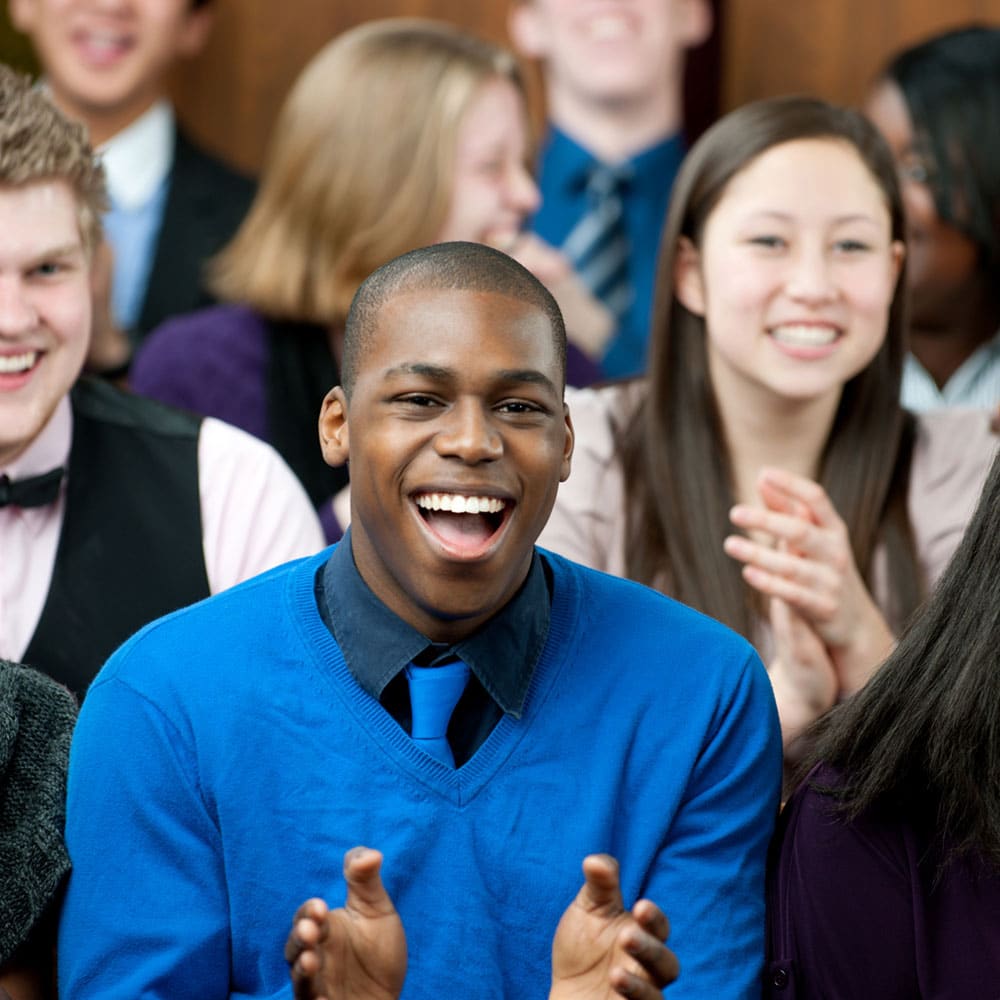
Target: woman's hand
x=801, y=554
x=802, y=674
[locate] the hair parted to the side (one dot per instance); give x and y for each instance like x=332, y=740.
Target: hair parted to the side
x=37, y=143
x=676, y=458
x=360, y=165
x=922, y=738
x=951, y=86
x=457, y=265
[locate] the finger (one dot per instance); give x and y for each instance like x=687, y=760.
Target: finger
x=366, y=894
x=773, y=482
x=813, y=605
x=633, y=985
x=652, y=919
x=804, y=570
x=795, y=531
x=656, y=960
x=308, y=928
x=601, y=889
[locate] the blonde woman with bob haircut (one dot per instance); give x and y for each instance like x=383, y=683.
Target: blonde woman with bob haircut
x=398, y=134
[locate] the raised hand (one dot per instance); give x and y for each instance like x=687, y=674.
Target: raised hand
x=357, y=952
x=601, y=950
x=807, y=562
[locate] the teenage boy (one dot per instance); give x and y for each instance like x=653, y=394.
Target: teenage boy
x=613, y=77
x=113, y=510
x=235, y=751
x=172, y=204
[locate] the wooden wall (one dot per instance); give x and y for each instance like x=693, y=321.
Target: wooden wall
x=231, y=93
x=830, y=48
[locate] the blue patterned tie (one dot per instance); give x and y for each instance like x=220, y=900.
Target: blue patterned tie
x=434, y=693
x=598, y=244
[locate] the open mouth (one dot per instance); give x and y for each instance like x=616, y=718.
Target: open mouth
x=466, y=524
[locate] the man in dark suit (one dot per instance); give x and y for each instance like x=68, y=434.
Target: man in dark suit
x=173, y=205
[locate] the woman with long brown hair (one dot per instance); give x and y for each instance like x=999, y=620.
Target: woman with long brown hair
x=771, y=406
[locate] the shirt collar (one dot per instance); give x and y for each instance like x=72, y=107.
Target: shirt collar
x=137, y=159
x=49, y=450
x=568, y=164
x=377, y=644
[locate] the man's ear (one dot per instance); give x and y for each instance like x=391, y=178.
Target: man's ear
x=695, y=22
x=194, y=31
x=527, y=33
x=23, y=15
x=333, y=431
x=688, y=285
x=567, y=446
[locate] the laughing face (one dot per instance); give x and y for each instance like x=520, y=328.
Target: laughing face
x=106, y=63
x=45, y=308
x=457, y=438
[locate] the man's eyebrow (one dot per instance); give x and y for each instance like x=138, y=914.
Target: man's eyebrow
x=506, y=376
x=66, y=250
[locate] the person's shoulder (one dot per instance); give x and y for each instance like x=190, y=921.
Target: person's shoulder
x=631, y=613
x=602, y=413
x=214, y=330
x=24, y=689
x=100, y=401
x=213, y=638
x=192, y=158
x=952, y=453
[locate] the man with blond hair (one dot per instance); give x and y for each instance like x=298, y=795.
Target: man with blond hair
x=113, y=510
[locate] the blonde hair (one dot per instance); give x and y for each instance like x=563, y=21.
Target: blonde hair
x=360, y=165
x=38, y=144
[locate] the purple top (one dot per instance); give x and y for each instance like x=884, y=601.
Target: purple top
x=212, y=362
x=854, y=910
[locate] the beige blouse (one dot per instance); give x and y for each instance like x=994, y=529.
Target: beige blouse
x=952, y=456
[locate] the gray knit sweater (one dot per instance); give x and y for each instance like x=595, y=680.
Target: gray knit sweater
x=36, y=723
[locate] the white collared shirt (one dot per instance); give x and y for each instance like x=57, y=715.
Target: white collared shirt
x=138, y=159
x=975, y=384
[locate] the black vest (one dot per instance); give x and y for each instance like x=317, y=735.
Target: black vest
x=131, y=543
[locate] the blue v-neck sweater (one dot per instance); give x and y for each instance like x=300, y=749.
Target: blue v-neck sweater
x=225, y=759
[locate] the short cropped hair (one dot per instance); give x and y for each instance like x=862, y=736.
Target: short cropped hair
x=360, y=165
x=37, y=143
x=462, y=266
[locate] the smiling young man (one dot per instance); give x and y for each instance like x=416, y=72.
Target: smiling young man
x=235, y=751
x=613, y=76
x=113, y=510
x=172, y=204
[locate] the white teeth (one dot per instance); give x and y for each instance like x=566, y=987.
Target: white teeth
x=805, y=336
x=13, y=364
x=460, y=504
x=607, y=27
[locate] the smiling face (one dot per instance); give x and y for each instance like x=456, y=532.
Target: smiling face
x=609, y=51
x=106, y=63
x=794, y=274
x=492, y=188
x=45, y=308
x=943, y=261
x=457, y=438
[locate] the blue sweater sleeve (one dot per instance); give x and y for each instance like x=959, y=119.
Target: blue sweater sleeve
x=142, y=842
x=709, y=876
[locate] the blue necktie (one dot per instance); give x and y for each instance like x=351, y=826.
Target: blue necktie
x=598, y=244
x=434, y=693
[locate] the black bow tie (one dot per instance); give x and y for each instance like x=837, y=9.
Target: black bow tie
x=35, y=491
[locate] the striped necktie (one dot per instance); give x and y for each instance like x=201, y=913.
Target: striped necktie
x=598, y=244
x=434, y=693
